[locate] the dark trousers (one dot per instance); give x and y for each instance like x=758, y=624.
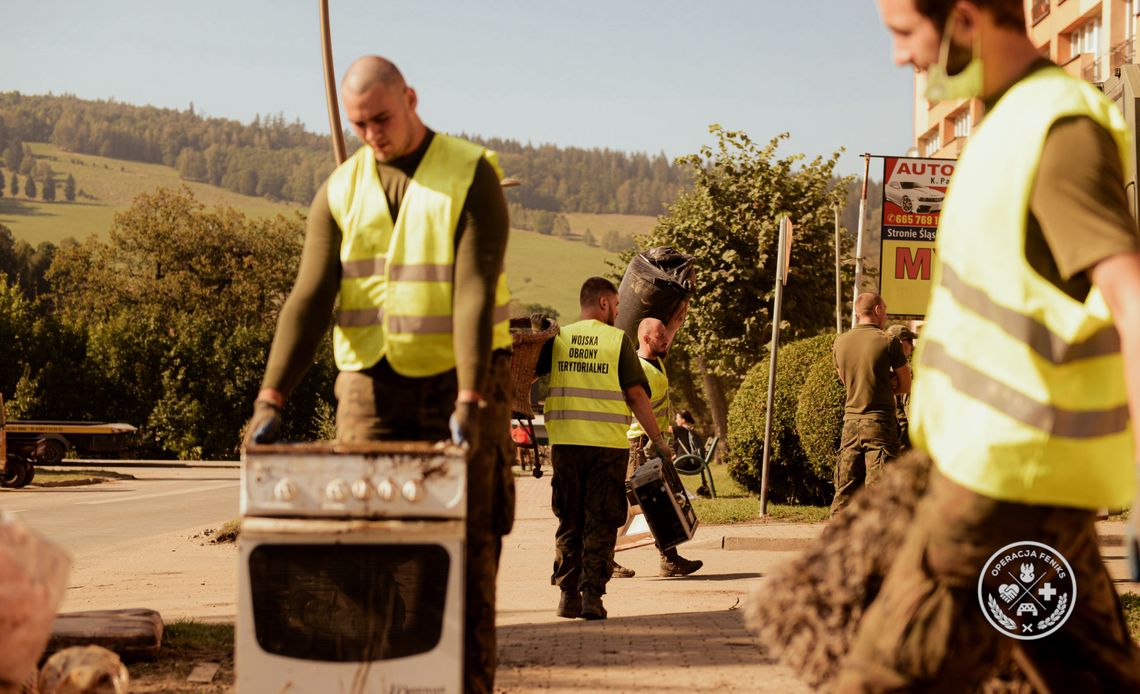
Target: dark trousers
x=588, y=498
x=379, y=404
x=926, y=631
x=866, y=446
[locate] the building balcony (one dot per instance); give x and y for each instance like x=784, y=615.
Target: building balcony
x=1121, y=54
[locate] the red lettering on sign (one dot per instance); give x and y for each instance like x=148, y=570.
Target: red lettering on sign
x=913, y=266
x=925, y=169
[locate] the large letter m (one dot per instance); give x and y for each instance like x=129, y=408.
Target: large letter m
x=912, y=266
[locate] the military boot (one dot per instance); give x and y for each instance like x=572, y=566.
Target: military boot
x=592, y=606
x=570, y=605
x=619, y=571
x=673, y=565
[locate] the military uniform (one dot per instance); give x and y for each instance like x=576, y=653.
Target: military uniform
x=591, y=365
x=1019, y=400
x=864, y=358
x=384, y=238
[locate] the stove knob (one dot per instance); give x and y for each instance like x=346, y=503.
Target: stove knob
x=386, y=489
x=337, y=491
x=413, y=490
x=285, y=490
x=361, y=490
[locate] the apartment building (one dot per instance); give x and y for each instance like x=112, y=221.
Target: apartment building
x=1088, y=39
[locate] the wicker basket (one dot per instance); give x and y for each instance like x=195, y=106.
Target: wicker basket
x=527, y=339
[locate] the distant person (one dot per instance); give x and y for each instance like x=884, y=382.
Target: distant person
x=406, y=239
x=906, y=338
x=867, y=359
x=523, y=442
x=690, y=441
x=595, y=380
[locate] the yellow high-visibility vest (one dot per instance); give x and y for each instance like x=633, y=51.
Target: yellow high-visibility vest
x=1019, y=394
x=658, y=398
x=396, y=283
x=586, y=406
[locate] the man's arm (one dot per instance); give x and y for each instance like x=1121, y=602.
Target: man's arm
x=305, y=316
x=479, y=255
x=902, y=380
x=638, y=401
x=1118, y=278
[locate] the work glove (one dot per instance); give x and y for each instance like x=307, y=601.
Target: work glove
x=265, y=424
x=464, y=425
x=664, y=450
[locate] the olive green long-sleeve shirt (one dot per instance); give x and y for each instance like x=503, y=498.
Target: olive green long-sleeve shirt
x=481, y=242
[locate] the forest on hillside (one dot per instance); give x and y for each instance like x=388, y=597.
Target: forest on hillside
x=278, y=159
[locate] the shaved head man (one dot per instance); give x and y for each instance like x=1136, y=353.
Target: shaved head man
x=407, y=237
x=381, y=107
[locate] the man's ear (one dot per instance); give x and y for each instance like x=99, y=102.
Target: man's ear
x=413, y=99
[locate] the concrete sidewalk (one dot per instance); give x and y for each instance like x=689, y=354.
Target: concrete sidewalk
x=664, y=634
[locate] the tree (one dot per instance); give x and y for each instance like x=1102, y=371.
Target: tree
x=14, y=155
x=588, y=238
x=14, y=188
x=68, y=188
x=1, y=184
x=49, y=188
x=730, y=219
x=544, y=221
x=30, y=187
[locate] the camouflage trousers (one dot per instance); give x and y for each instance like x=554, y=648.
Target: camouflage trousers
x=379, y=404
x=926, y=631
x=588, y=498
x=866, y=445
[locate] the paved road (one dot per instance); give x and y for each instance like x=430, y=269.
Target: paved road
x=141, y=542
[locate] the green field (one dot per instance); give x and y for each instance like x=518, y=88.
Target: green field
x=598, y=224
x=111, y=184
x=548, y=270
x=540, y=269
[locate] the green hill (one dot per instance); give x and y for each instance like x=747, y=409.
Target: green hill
x=106, y=186
x=540, y=269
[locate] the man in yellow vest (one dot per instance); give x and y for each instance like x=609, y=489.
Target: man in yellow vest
x=409, y=234
x=652, y=344
x=1026, y=374
x=595, y=381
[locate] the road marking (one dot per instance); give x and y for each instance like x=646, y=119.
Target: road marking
x=157, y=495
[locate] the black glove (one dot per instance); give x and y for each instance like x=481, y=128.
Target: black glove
x=464, y=425
x=265, y=424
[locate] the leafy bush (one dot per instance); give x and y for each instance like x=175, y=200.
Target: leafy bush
x=819, y=417
x=791, y=478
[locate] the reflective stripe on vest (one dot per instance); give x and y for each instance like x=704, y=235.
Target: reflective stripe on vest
x=397, y=278
x=1019, y=391
x=586, y=406
x=658, y=398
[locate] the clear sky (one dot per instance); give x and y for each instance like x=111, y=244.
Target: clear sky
x=635, y=75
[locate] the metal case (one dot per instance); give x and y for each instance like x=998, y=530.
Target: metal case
x=663, y=501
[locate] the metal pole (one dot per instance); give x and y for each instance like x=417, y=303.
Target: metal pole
x=838, y=281
x=773, y=351
x=330, y=85
x=859, y=238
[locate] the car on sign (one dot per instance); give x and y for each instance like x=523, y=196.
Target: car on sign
x=914, y=197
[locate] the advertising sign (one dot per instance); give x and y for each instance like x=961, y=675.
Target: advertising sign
x=913, y=190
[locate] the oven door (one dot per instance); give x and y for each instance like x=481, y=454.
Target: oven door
x=350, y=606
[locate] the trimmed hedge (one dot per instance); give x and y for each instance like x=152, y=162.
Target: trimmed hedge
x=792, y=479
x=819, y=418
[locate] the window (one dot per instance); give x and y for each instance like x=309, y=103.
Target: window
x=931, y=143
x=1085, y=38
x=962, y=124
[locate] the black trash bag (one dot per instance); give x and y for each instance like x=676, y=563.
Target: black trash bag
x=656, y=285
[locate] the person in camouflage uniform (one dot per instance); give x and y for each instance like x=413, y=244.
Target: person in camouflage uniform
x=867, y=360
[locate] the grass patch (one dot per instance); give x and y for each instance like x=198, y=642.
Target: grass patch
x=625, y=224
x=66, y=478
x=1131, y=604
x=735, y=505
x=185, y=644
x=228, y=532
